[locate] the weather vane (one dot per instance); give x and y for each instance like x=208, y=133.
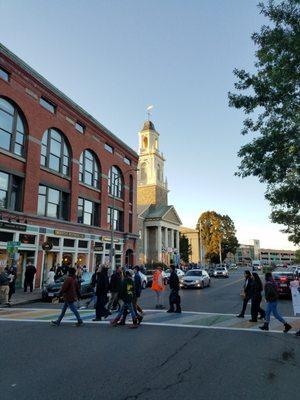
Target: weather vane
x=149, y=108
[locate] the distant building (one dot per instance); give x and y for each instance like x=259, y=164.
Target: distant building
x=158, y=222
x=194, y=240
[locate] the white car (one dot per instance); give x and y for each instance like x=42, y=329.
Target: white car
x=179, y=272
x=195, y=278
x=221, y=272
x=143, y=278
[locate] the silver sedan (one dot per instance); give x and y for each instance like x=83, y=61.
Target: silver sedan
x=195, y=278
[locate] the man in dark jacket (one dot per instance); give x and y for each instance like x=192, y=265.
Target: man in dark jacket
x=174, y=298
x=102, y=286
x=4, y=286
x=114, y=288
x=29, y=276
x=271, y=296
x=70, y=293
x=247, y=292
x=126, y=295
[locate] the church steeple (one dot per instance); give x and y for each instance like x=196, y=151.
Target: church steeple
x=152, y=187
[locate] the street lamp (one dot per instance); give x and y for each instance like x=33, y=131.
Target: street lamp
x=115, y=181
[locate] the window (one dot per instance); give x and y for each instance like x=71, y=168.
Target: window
x=89, y=169
x=108, y=148
x=53, y=203
x=115, y=182
x=127, y=161
x=48, y=105
x=83, y=244
x=54, y=152
x=130, y=222
x=131, y=189
x=6, y=237
x=27, y=239
x=117, y=219
x=88, y=212
x=69, y=242
x=53, y=240
x=4, y=75
x=11, y=188
x=79, y=127
x=12, y=130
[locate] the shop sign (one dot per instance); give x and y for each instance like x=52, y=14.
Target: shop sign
x=108, y=239
x=12, y=226
x=98, y=247
x=12, y=247
x=69, y=234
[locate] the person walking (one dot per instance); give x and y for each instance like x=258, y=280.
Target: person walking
x=174, y=298
x=70, y=293
x=102, y=286
x=12, y=274
x=4, y=286
x=137, y=280
x=50, y=276
x=247, y=292
x=271, y=296
x=158, y=287
x=126, y=295
x=256, y=309
x=114, y=288
x=93, y=283
x=29, y=276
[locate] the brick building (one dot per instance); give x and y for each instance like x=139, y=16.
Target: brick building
x=61, y=174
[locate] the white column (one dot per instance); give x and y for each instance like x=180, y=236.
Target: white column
x=166, y=238
x=145, y=244
x=172, y=238
x=177, y=240
x=159, y=244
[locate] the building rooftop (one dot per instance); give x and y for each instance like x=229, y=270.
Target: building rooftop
x=148, y=125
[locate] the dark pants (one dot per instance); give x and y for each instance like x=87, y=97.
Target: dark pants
x=256, y=309
x=174, y=299
x=101, y=311
x=72, y=307
x=245, y=302
x=28, y=282
x=12, y=289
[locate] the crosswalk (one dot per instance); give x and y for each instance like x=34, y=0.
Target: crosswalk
x=187, y=319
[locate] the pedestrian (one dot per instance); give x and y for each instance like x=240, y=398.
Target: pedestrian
x=247, y=292
x=158, y=286
x=70, y=293
x=256, y=309
x=102, y=286
x=126, y=295
x=12, y=274
x=4, y=286
x=50, y=276
x=174, y=298
x=59, y=272
x=137, y=292
x=271, y=296
x=93, y=282
x=29, y=276
x=114, y=288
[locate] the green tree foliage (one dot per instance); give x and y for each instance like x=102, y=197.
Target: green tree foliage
x=297, y=256
x=185, y=248
x=216, y=229
x=270, y=99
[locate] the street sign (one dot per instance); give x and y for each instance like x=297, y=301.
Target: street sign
x=12, y=247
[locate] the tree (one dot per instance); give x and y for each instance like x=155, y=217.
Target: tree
x=270, y=99
x=297, y=256
x=217, y=230
x=185, y=248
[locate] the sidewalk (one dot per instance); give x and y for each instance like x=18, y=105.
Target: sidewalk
x=20, y=297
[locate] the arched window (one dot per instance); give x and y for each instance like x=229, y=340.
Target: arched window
x=12, y=128
x=130, y=189
x=55, y=152
x=89, y=169
x=144, y=171
x=145, y=142
x=115, y=182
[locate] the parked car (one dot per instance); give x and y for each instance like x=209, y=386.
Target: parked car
x=195, y=278
x=51, y=290
x=282, y=280
x=221, y=272
x=179, y=273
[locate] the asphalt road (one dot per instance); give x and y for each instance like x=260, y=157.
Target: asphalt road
x=38, y=361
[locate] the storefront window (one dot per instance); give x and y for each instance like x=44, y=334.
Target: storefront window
x=6, y=237
x=69, y=242
x=82, y=259
x=27, y=239
x=83, y=244
x=53, y=240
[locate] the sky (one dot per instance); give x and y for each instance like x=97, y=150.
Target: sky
x=116, y=57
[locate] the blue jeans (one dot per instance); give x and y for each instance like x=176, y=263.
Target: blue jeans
x=272, y=309
x=72, y=307
x=130, y=308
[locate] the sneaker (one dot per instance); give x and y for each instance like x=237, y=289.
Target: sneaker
x=54, y=323
x=287, y=327
x=80, y=323
x=240, y=316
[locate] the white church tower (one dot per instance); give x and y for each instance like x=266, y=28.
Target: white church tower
x=152, y=185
